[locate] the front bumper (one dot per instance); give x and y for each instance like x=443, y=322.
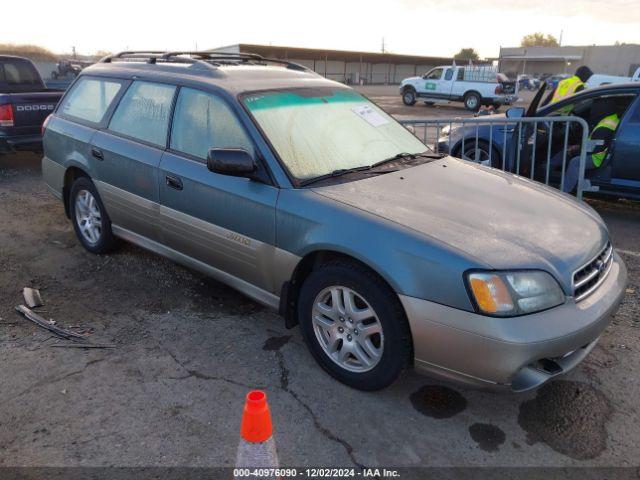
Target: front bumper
x=519, y=353
x=31, y=143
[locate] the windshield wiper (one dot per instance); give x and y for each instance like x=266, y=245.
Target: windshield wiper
x=411, y=156
x=344, y=171
x=335, y=173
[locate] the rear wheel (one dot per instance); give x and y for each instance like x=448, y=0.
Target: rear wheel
x=90, y=220
x=472, y=101
x=354, y=325
x=409, y=97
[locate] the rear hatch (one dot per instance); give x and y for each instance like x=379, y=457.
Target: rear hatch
x=30, y=109
x=25, y=99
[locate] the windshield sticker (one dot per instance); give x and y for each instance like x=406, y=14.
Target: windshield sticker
x=370, y=115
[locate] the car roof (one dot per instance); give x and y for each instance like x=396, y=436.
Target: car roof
x=234, y=78
x=627, y=87
x=14, y=57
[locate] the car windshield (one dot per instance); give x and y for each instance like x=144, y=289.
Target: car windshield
x=317, y=131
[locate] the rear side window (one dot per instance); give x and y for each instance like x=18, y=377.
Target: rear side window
x=18, y=73
x=90, y=99
x=203, y=121
x=448, y=74
x=143, y=112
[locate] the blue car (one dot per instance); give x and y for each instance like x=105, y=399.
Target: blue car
x=497, y=146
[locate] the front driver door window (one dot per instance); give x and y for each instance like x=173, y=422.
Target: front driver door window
x=432, y=81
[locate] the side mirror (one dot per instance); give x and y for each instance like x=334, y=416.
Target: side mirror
x=515, y=112
x=236, y=162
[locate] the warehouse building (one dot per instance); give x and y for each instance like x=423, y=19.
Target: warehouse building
x=354, y=68
x=606, y=59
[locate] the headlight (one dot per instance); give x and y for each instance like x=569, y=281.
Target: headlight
x=507, y=294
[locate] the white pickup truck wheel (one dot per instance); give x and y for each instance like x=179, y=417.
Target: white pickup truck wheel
x=409, y=97
x=472, y=101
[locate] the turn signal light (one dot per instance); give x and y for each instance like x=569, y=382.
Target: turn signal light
x=6, y=116
x=490, y=292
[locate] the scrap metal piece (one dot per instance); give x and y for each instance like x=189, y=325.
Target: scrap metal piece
x=81, y=345
x=41, y=322
x=32, y=297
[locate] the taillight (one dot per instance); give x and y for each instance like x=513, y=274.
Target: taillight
x=6, y=116
x=45, y=123
x=499, y=89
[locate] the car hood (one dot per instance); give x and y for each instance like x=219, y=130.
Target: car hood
x=500, y=220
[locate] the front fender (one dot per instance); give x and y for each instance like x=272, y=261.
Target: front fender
x=411, y=263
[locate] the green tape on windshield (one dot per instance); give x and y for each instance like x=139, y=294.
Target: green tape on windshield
x=271, y=100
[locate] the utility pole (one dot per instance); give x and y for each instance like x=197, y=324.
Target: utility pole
x=560, y=41
x=383, y=47
x=73, y=50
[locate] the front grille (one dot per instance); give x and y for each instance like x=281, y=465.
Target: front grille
x=589, y=277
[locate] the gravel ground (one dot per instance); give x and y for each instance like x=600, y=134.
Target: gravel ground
x=187, y=349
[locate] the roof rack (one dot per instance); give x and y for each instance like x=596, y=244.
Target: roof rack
x=200, y=57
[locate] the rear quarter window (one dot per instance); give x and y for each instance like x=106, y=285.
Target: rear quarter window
x=143, y=112
x=89, y=99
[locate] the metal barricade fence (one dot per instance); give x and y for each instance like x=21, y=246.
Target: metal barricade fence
x=540, y=148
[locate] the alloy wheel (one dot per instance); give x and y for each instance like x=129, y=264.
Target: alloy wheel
x=348, y=329
x=88, y=216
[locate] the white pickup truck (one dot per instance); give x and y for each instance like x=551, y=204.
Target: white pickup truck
x=472, y=85
x=598, y=79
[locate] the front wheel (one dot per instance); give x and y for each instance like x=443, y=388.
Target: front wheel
x=409, y=97
x=90, y=220
x=354, y=325
x=481, y=153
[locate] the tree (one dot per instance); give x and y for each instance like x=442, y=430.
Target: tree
x=466, y=54
x=101, y=53
x=539, y=40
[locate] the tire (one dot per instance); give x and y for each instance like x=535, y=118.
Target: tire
x=472, y=101
x=90, y=216
x=483, y=153
x=392, y=345
x=409, y=97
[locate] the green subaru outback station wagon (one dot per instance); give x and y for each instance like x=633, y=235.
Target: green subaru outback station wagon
x=307, y=197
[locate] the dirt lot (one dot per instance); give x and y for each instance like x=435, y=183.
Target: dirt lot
x=187, y=349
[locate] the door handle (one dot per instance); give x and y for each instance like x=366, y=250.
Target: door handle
x=97, y=153
x=173, y=182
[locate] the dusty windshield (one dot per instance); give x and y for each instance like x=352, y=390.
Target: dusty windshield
x=322, y=130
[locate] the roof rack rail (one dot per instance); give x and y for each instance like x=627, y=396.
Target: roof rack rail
x=207, y=57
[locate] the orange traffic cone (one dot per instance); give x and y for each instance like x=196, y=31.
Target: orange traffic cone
x=257, y=449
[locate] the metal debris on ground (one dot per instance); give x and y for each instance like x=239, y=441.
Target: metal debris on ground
x=41, y=322
x=82, y=345
x=32, y=297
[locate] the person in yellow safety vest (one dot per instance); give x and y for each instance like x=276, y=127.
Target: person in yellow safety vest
x=604, y=130
x=569, y=86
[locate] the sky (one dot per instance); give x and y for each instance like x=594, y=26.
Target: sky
x=420, y=27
